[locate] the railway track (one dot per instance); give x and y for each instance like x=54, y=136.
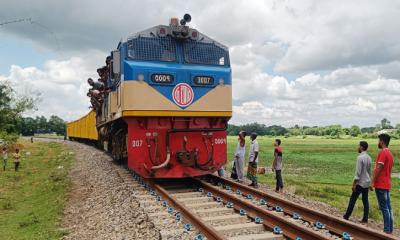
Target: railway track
x=218, y=208
x=333, y=225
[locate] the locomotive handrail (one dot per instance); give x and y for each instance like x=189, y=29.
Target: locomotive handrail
x=165, y=163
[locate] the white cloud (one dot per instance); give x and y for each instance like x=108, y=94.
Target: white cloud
x=364, y=105
x=62, y=86
x=318, y=99
x=305, y=62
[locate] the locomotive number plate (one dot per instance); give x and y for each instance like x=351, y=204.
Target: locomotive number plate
x=162, y=78
x=203, y=80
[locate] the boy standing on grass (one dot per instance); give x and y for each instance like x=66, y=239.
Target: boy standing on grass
x=361, y=182
x=4, y=157
x=277, y=166
x=17, y=159
x=381, y=180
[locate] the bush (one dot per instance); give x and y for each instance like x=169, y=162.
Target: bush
x=9, y=138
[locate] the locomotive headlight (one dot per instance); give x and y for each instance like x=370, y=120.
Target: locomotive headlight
x=174, y=22
x=162, y=32
x=221, y=81
x=194, y=35
x=140, y=77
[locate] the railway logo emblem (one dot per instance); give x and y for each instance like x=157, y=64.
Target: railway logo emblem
x=183, y=94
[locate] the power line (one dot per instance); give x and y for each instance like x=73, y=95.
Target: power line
x=29, y=20
x=16, y=21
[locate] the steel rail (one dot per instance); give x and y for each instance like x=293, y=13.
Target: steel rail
x=189, y=215
x=290, y=229
x=333, y=224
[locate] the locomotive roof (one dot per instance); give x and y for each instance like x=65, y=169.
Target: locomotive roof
x=153, y=32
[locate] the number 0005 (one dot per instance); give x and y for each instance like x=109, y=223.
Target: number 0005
x=137, y=143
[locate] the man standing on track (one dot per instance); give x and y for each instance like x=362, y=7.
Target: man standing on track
x=277, y=166
x=253, y=160
x=361, y=182
x=239, y=156
x=381, y=180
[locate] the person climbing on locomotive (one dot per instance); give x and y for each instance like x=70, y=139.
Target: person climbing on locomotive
x=253, y=160
x=108, y=66
x=95, y=99
x=361, y=182
x=277, y=165
x=239, y=156
x=103, y=74
x=381, y=181
x=95, y=85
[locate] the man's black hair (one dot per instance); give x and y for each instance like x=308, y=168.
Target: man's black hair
x=254, y=134
x=364, y=145
x=385, y=138
x=278, y=141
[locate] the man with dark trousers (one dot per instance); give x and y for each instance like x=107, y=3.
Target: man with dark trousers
x=381, y=181
x=277, y=166
x=253, y=160
x=361, y=182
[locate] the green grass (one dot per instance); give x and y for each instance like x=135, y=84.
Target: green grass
x=323, y=170
x=51, y=136
x=31, y=200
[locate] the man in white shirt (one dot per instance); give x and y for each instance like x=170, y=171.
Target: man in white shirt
x=239, y=155
x=253, y=160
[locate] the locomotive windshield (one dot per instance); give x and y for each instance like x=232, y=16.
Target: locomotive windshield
x=152, y=49
x=205, y=53
x=165, y=49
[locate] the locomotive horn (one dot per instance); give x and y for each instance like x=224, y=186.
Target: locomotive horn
x=186, y=18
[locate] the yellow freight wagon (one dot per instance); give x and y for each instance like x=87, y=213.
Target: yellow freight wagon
x=83, y=128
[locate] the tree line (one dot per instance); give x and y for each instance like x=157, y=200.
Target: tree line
x=332, y=131
x=29, y=126
x=12, y=122
x=12, y=107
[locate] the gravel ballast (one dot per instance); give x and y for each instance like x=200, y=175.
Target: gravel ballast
x=100, y=205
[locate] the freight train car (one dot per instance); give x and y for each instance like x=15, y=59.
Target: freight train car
x=170, y=101
x=83, y=129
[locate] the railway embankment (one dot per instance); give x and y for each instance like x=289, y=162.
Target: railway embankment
x=100, y=205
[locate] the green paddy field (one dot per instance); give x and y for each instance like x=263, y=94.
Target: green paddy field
x=323, y=169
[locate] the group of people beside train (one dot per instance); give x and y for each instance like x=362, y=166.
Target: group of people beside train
x=100, y=88
x=237, y=172
x=364, y=181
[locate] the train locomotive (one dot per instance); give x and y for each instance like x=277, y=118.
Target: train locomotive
x=168, y=105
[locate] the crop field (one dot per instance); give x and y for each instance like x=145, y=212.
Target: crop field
x=32, y=199
x=323, y=169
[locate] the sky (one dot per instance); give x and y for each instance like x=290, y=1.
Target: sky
x=293, y=62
